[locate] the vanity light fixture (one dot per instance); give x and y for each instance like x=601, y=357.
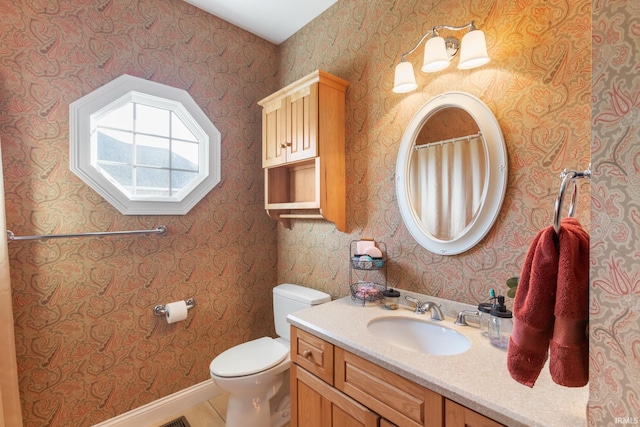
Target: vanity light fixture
x=438, y=53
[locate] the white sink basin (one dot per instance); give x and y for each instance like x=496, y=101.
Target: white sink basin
x=419, y=335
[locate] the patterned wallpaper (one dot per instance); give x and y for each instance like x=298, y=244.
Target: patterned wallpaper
x=538, y=86
x=88, y=345
x=615, y=214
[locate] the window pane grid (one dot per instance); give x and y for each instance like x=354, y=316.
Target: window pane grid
x=173, y=153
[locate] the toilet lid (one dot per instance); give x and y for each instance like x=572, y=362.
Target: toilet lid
x=249, y=358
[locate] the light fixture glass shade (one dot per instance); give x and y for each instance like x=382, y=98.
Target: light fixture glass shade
x=473, y=50
x=435, y=55
x=404, y=80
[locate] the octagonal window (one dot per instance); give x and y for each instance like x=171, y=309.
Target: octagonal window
x=147, y=148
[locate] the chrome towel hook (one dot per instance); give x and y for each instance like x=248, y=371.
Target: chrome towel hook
x=568, y=176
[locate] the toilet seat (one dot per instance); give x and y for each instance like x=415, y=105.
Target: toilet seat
x=249, y=358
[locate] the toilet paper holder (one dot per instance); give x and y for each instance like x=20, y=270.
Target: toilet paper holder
x=160, y=310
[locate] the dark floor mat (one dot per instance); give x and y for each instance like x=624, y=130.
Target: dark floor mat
x=178, y=422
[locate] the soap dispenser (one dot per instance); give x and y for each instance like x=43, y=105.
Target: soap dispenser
x=500, y=324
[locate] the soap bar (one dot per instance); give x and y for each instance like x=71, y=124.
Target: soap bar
x=373, y=252
x=362, y=245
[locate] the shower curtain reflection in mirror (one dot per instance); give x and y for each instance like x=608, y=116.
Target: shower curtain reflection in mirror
x=447, y=185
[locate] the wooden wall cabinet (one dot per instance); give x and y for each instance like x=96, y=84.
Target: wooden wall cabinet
x=333, y=387
x=303, y=150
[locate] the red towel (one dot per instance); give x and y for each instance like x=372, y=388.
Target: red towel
x=569, y=347
x=551, y=304
x=533, y=309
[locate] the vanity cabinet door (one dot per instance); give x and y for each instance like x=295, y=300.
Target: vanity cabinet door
x=393, y=397
x=312, y=353
x=315, y=403
x=459, y=416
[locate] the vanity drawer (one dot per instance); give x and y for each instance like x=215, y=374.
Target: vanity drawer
x=393, y=397
x=312, y=353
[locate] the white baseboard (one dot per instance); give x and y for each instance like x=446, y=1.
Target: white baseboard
x=161, y=409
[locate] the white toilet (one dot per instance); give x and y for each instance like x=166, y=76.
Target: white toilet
x=256, y=373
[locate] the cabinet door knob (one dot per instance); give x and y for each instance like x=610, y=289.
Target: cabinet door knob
x=307, y=354
x=283, y=145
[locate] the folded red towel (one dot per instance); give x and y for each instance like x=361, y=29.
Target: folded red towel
x=533, y=309
x=569, y=347
x=552, y=301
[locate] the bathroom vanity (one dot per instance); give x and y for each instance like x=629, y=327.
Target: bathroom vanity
x=342, y=375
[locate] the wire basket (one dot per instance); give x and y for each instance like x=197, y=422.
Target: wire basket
x=365, y=262
x=367, y=292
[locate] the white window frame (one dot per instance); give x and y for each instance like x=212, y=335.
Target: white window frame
x=126, y=88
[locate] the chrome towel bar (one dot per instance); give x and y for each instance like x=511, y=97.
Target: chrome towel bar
x=161, y=230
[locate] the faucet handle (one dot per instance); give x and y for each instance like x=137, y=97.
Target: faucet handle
x=461, y=320
x=418, y=304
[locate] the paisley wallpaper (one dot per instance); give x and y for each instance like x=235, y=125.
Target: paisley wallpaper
x=88, y=345
x=615, y=214
x=538, y=86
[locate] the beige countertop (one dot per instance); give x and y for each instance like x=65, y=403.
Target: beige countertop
x=477, y=378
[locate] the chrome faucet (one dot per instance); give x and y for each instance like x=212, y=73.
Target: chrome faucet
x=422, y=308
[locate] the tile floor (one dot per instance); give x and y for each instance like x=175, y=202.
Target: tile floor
x=211, y=413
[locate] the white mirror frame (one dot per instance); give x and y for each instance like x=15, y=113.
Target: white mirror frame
x=82, y=156
x=495, y=180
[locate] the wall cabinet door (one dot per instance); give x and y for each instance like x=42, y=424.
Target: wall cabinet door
x=315, y=403
x=290, y=127
x=459, y=416
x=274, y=132
x=302, y=127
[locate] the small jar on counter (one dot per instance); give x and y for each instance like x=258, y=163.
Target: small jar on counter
x=500, y=324
x=391, y=299
x=484, y=309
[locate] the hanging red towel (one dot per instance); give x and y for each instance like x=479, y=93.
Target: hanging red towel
x=569, y=347
x=551, y=308
x=533, y=309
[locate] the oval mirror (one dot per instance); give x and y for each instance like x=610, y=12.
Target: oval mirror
x=451, y=173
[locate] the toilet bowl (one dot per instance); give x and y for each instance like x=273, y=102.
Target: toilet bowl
x=256, y=373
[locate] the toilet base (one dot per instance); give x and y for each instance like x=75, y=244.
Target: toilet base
x=243, y=411
x=282, y=414
x=269, y=408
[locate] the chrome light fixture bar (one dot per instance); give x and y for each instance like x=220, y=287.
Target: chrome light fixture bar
x=438, y=53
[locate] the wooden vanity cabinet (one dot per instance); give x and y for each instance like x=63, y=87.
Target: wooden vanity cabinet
x=334, y=387
x=459, y=416
x=303, y=150
x=313, y=354
x=397, y=399
x=317, y=404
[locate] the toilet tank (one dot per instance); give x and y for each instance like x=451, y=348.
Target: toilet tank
x=288, y=298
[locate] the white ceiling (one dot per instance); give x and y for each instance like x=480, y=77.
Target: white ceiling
x=273, y=20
